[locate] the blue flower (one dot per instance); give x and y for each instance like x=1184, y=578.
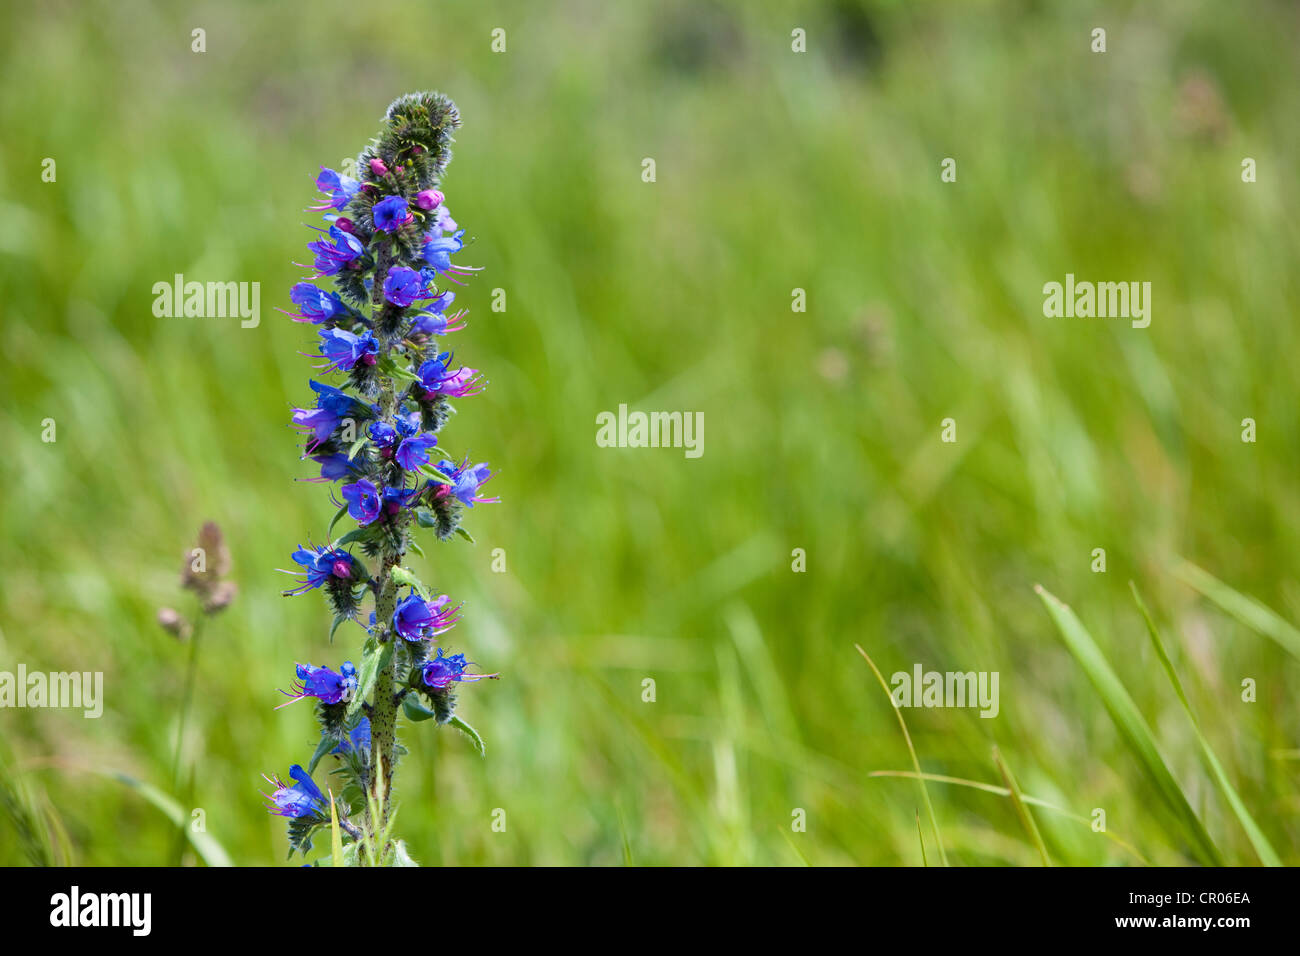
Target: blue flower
x=417, y=619
x=403, y=286
x=315, y=305
x=391, y=214
x=395, y=499
x=358, y=739
x=466, y=481
x=343, y=349
x=332, y=257
x=436, y=379
x=440, y=672
x=413, y=453
x=323, y=684
x=303, y=799
x=340, y=188
x=363, y=501
x=382, y=434
x=322, y=564
x=332, y=406
x=438, y=251
x=334, y=467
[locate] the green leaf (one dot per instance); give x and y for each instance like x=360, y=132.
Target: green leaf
x=416, y=548
x=356, y=534
x=336, y=835
x=356, y=447
x=426, y=519
x=436, y=475
x=405, y=577
x=335, y=520
x=415, y=709
x=465, y=534
x=325, y=746
x=338, y=620
x=469, y=732
x=1263, y=849
x=1132, y=726
x=1247, y=610
x=373, y=660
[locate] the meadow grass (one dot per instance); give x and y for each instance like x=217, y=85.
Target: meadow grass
x=775, y=171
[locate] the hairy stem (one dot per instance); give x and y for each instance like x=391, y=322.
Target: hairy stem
x=383, y=715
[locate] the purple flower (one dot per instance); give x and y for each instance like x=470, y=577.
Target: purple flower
x=340, y=188
x=334, y=467
x=315, y=305
x=436, y=380
x=321, y=565
x=363, y=500
x=417, y=619
x=403, y=286
x=323, y=684
x=332, y=406
x=466, y=481
x=342, y=349
x=438, y=251
x=435, y=323
x=442, y=220
x=332, y=257
x=391, y=214
x=383, y=434
x=439, y=672
x=395, y=499
x=413, y=453
x=303, y=799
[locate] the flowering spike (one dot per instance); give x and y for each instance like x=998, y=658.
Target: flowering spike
x=382, y=251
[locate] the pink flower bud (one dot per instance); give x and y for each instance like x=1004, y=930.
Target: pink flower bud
x=428, y=199
x=377, y=167
x=344, y=223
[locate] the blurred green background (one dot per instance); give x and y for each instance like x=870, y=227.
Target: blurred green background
x=776, y=170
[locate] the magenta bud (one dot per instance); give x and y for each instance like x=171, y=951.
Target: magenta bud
x=417, y=149
x=342, y=569
x=344, y=223
x=377, y=167
x=428, y=199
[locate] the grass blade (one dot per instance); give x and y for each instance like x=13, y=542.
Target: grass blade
x=925, y=794
x=1026, y=818
x=1004, y=792
x=1267, y=855
x=1132, y=726
x=1247, y=610
x=213, y=853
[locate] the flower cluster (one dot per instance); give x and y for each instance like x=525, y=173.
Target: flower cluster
x=385, y=248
